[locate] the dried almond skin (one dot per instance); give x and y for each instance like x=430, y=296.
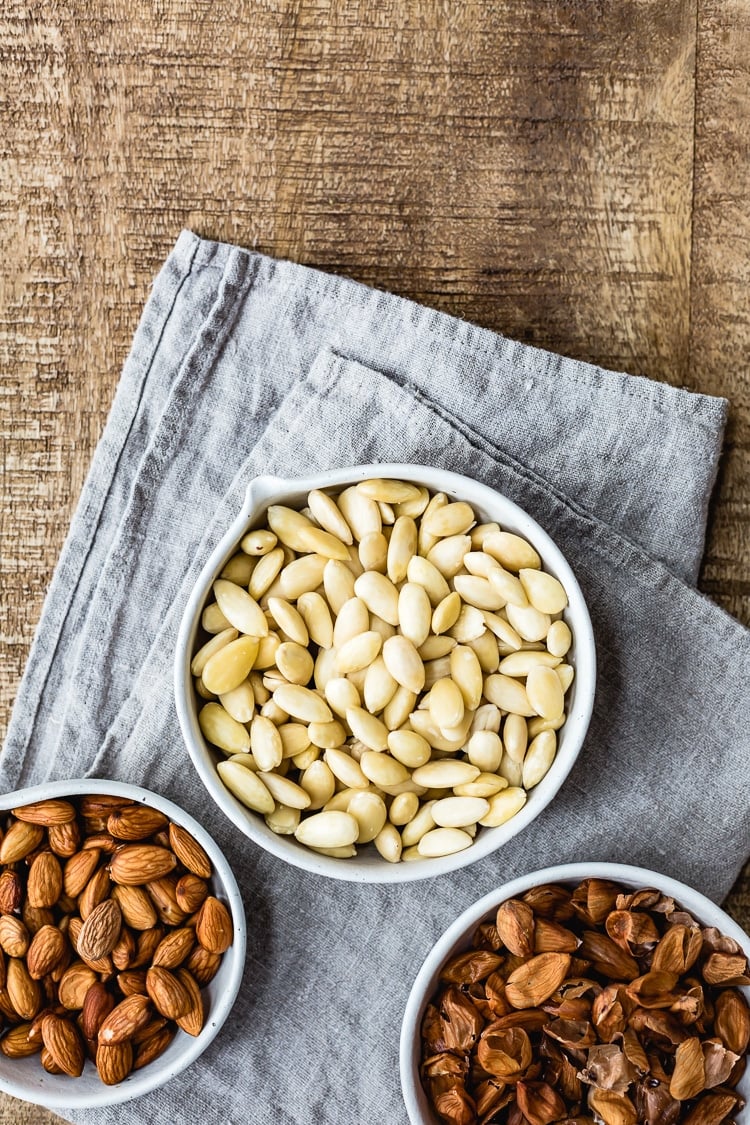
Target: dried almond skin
x=515, y=924
x=689, y=1075
x=536, y=979
x=732, y=1020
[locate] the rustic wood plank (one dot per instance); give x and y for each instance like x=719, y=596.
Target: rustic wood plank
x=720, y=313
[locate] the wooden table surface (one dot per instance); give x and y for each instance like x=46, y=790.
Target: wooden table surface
x=572, y=174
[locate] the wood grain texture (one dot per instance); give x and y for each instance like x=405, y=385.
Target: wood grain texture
x=571, y=174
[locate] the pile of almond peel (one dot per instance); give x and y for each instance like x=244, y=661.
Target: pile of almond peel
x=586, y=1005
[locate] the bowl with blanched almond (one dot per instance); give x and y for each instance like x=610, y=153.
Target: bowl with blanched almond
x=384, y=672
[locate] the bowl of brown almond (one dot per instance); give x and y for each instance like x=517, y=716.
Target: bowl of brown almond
x=384, y=672
x=122, y=942
x=592, y=993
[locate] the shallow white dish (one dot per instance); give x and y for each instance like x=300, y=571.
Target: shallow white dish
x=369, y=867
x=26, y=1079
x=458, y=937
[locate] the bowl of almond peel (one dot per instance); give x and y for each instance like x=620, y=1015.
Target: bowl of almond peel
x=384, y=672
x=585, y=993
x=122, y=942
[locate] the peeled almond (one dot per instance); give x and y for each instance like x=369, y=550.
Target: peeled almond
x=233, y=663
x=328, y=830
x=443, y=841
x=513, y=552
x=544, y=692
x=328, y=515
x=543, y=590
x=222, y=730
x=404, y=663
x=379, y=595
x=446, y=703
x=401, y=549
x=240, y=609
x=458, y=812
x=414, y=613
x=246, y=786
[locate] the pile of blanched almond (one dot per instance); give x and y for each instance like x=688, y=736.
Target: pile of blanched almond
x=380, y=667
x=586, y=1005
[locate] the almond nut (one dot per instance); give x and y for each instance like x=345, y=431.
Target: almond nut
x=189, y=852
x=135, y=822
x=100, y=931
x=128, y=1017
x=168, y=993
x=213, y=927
x=45, y=882
x=46, y=813
x=114, y=1061
x=137, y=864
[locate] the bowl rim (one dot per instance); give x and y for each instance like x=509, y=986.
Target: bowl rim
x=143, y=1081
x=696, y=903
x=263, y=490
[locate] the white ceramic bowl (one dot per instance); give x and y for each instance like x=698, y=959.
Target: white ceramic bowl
x=26, y=1079
x=458, y=937
x=368, y=866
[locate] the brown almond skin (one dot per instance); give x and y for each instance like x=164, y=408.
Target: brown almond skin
x=189, y=852
x=45, y=882
x=100, y=931
x=138, y=864
x=153, y=1047
x=46, y=813
x=79, y=869
x=213, y=927
x=96, y=890
x=24, y=993
x=15, y=1044
x=96, y=1007
x=191, y=893
x=14, y=936
x=164, y=897
x=11, y=892
x=203, y=965
x=74, y=985
x=46, y=951
x=63, y=1042
x=192, y=1022
x=170, y=997
x=114, y=1062
x=64, y=839
x=174, y=948
x=135, y=822
x=20, y=840
x=132, y=982
x=138, y=910
x=127, y=1018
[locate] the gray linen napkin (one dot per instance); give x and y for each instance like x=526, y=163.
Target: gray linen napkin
x=243, y=365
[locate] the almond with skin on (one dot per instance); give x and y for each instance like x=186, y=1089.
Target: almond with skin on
x=46, y=951
x=14, y=936
x=174, y=948
x=79, y=869
x=127, y=1018
x=213, y=927
x=48, y=1062
x=98, y=888
x=103, y=841
x=147, y=943
x=732, y=1020
x=46, y=813
x=100, y=931
x=101, y=804
x=135, y=822
x=156, y=1024
x=123, y=950
x=97, y=1005
x=132, y=982
x=203, y=965
x=190, y=892
x=138, y=910
x=164, y=897
x=64, y=839
x=34, y=917
x=168, y=993
x=138, y=864
x=20, y=840
x=63, y=1042
x=45, y=882
x=74, y=985
x=189, y=852
x=114, y=1061
x=24, y=993
x=11, y=892
x=193, y=1020
x=152, y=1047
x=15, y=1044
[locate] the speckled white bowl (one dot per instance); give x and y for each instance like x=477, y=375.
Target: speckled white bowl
x=26, y=1079
x=458, y=937
x=368, y=866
